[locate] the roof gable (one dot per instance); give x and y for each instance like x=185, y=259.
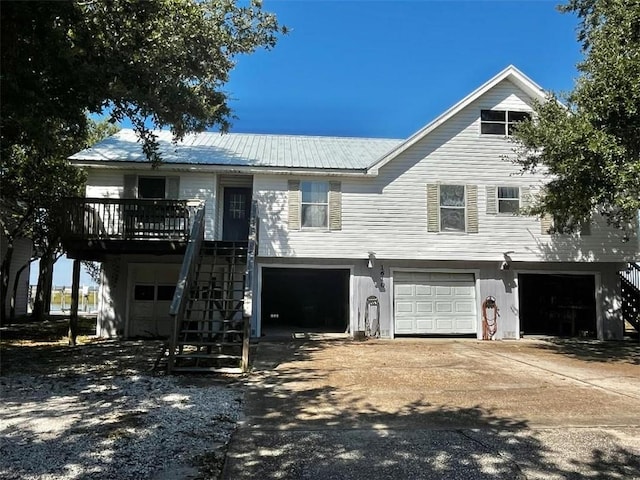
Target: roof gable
x=510, y=73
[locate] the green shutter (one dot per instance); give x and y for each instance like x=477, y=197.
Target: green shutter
x=472, y=208
x=130, y=186
x=492, y=200
x=294, y=204
x=433, y=207
x=335, y=206
x=173, y=188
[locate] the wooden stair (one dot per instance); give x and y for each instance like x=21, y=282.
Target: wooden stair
x=211, y=330
x=630, y=290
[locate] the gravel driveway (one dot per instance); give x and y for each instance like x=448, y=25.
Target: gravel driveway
x=97, y=411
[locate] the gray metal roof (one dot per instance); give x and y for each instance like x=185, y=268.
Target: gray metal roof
x=250, y=150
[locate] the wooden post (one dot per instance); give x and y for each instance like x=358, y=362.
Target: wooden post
x=246, y=337
x=75, y=297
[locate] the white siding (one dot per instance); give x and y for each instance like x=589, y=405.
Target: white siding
x=193, y=186
x=22, y=248
x=387, y=214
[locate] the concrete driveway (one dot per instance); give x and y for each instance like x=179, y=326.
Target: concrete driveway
x=431, y=408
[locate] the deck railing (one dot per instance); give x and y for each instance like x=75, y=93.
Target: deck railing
x=127, y=219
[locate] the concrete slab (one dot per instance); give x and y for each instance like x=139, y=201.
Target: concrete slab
x=425, y=408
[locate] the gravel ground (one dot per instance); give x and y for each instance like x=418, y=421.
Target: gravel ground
x=97, y=411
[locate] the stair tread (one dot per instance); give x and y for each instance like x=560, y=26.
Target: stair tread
x=210, y=356
x=208, y=369
x=210, y=344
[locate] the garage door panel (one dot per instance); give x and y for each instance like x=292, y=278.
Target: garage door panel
x=443, y=291
x=464, y=307
x=434, y=303
x=405, y=307
x=423, y=324
x=444, y=307
x=404, y=290
x=424, y=307
x=423, y=290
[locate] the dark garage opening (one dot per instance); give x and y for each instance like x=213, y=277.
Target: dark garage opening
x=311, y=299
x=559, y=305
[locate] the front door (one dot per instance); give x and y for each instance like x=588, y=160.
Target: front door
x=237, y=209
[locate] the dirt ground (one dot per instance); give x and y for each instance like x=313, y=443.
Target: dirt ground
x=98, y=410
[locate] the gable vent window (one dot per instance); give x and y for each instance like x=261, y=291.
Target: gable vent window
x=500, y=122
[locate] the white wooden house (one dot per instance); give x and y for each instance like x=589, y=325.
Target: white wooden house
x=419, y=236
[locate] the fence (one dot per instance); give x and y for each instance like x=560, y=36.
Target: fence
x=61, y=299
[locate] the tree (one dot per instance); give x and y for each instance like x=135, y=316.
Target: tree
x=160, y=63
x=590, y=146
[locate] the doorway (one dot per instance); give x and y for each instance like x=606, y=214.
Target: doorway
x=305, y=298
x=556, y=304
x=236, y=213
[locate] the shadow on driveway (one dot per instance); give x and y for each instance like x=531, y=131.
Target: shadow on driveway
x=367, y=410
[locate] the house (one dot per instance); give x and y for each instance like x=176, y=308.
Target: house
x=416, y=236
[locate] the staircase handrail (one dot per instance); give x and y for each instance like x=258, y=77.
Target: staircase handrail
x=632, y=274
x=247, y=306
x=189, y=262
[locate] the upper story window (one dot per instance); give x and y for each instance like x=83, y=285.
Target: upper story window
x=500, y=122
x=151, y=187
x=315, y=204
x=452, y=208
x=508, y=199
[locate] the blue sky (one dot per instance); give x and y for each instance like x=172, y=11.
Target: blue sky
x=387, y=68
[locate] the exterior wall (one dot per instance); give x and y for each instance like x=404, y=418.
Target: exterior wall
x=387, y=214
x=490, y=281
x=22, y=249
x=102, y=183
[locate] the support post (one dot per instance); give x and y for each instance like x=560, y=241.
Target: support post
x=75, y=297
x=246, y=336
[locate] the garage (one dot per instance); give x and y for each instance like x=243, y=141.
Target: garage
x=152, y=289
x=434, y=303
x=557, y=304
x=304, y=298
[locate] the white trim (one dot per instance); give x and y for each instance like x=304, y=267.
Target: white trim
x=510, y=73
x=308, y=266
x=128, y=300
x=476, y=281
x=224, y=169
x=597, y=285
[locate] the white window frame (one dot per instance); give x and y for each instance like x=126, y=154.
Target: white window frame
x=505, y=122
x=463, y=207
x=507, y=199
x=324, y=204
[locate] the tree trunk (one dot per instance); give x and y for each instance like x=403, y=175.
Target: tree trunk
x=42, y=301
x=14, y=292
x=4, y=272
x=75, y=300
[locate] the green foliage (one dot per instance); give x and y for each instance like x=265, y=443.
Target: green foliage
x=160, y=63
x=591, y=148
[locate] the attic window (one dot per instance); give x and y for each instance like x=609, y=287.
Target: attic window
x=500, y=122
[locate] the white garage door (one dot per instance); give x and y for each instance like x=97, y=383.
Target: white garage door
x=434, y=303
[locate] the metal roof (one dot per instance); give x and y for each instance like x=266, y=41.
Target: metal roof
x=250, y=150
